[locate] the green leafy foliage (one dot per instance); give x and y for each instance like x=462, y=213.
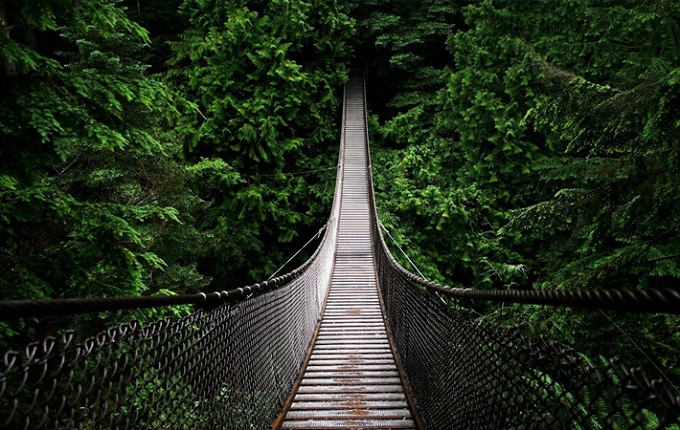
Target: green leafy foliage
x=116, y=182
x=547, y=160
x=93, y=201
x=264, y=79
x=516, y=145
x=403, y=46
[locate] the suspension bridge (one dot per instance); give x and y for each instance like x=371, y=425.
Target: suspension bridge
x=348, y=340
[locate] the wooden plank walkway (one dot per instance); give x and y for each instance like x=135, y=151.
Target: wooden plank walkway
x=351, y=381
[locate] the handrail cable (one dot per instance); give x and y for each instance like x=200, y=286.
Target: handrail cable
x=648, y=300
x=651, y=300
x=15, y=309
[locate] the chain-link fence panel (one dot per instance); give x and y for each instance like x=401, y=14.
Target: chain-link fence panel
x=226, y=368
x=466, y=373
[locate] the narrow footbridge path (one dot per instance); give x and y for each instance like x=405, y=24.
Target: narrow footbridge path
x=351, y=380
x=348, y=340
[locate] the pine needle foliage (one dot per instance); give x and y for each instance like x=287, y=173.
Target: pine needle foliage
x=546, y=159
x=265, y=79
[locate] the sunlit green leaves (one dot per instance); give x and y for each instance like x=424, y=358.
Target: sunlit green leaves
x=265, y=79
x=90, y=183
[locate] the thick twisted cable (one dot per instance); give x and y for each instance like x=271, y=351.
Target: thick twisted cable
x=648, y=300
x=16, y=309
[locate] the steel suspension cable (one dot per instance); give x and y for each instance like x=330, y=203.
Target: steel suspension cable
x=316, y=236
x=15, y=309
x=382, y=226
x=648, y=300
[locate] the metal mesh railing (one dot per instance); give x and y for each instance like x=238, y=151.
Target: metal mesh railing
x=229, y=365
x=469, y=374
x=226, y=368
x=466, y=373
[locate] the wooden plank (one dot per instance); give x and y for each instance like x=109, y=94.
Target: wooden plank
x=352, y=380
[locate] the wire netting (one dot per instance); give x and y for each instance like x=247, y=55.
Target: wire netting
x=226, y=368
x=469, y=374
x=229, y=367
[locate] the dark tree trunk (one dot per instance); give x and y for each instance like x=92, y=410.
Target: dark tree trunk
x=8, y=67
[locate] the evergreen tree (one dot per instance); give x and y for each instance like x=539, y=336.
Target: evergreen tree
x=265, y=78
x=552, y=164
x=89, y=188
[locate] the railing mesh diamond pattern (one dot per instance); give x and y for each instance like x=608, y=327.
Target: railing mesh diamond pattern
x=226, y=368
x=466, y=374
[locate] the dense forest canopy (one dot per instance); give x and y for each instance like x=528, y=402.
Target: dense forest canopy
x=169, y=146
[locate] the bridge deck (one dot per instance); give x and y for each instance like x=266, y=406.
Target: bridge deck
x=351, y=380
